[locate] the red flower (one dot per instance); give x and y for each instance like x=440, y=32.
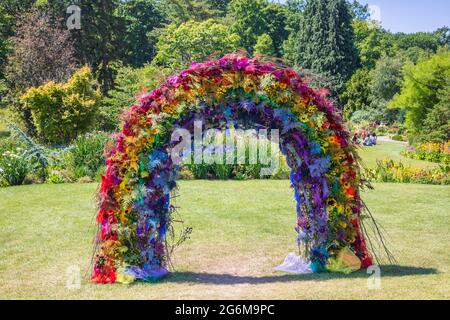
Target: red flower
x=104, y=275
x=106, y=184
x=366, y=262
x=351, y=191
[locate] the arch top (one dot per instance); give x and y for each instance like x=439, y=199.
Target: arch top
x=134, y=207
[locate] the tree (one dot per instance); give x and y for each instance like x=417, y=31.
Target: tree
x=63, y=111
x=140, y=18
x=437, y=122
x=264, y=45
x=424, y=40
x=180, y=11
x=43, y=52
x=324, y=43
x=220, y=5
x=253, y=18
x=9, y=11
x=387, y=77
x=357, y=94
x=424, y=87
x=100, y=41
x=372, y=42
x=193, y=41
x=386, y=81
x=343, y=53
x=359, y=11
x=294, y=15
x=275, y=16
x=129, y=83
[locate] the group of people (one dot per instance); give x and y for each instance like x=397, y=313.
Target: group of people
x=362, y=137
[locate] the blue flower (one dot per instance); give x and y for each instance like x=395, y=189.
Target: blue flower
x=315, y=148
x=319, y=167
x=156, y=158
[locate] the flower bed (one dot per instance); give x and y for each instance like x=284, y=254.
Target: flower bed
x=396, y=172
x=434, y=152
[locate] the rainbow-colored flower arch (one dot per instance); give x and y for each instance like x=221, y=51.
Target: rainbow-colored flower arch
x=134, y=207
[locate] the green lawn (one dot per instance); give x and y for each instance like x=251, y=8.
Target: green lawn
x=241, y=231
x=392, y=151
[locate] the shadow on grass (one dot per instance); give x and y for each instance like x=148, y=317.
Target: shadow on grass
x=228, y=279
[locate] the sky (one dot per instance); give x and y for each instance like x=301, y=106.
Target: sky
x=410, y=16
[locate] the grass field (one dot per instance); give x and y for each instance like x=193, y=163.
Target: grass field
x=242, y=230
x=392, y=150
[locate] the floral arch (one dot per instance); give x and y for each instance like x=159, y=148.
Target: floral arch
x=134, y=198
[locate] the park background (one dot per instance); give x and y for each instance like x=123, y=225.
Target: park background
x=62, y=93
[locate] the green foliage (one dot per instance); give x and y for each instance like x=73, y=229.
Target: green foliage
x=9, y=10
x=140, y=18
x=366, y=115
x=129, y=83
x=248, y=170
x=397, y=172
x=86, y=157
x=181, y=11
x=424, y=40
x=36, y=154
x=371, y=41
x=14, y=166
x=62, y=111
x=253, y=18
x=359, y=11
x=275, y=16
x=436, y=126
x=103, y=36
x=433, y=152
x=356, y=96
x=248, y=21
x=294, y=16
x=40, y=159
x=385, y=84
x=264, y=45
x=426, y=85
x=324, y=43
x=178, y=46
x=387, y=77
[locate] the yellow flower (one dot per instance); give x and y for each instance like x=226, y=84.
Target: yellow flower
x=312, y=109
x=282, y=85
x=304, y=117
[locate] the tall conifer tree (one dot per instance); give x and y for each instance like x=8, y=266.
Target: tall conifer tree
x=324, y=43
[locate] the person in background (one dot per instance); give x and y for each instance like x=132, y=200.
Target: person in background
x=363, y=134
x=374, y=139
x=355, y=139
x=367, y=141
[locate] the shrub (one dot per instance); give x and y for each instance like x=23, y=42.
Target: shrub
x=434, y=152
x=86, y=156
x=179, y=44
x=63, y=111
x=396, y=172
x=398, y=137
x=14, y=166
x=129, y=83
x=235, y=171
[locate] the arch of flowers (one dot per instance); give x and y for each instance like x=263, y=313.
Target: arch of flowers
x=134, y=197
